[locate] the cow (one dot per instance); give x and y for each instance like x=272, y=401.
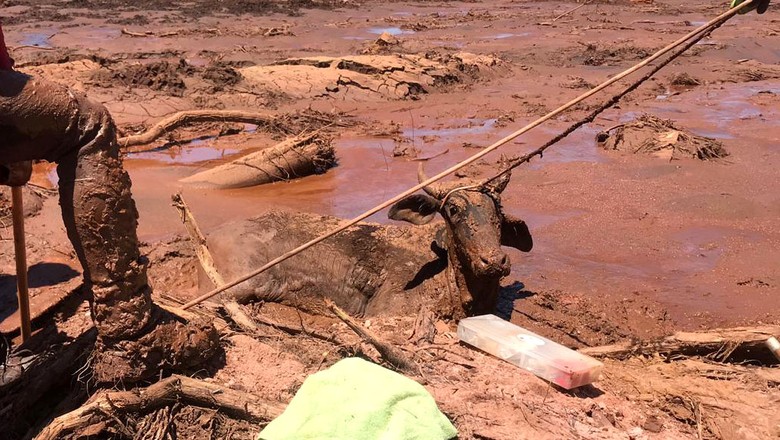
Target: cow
x=453, y=268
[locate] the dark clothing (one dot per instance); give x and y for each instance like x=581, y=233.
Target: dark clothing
x=6, y=63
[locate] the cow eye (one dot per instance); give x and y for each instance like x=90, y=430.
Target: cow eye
x=452, y=210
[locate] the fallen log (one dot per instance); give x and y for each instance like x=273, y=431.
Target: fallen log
x=183, y=118
x=105, y=406
x=296, y=157
x=741, y=343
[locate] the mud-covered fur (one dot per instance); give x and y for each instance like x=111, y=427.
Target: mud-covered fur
x=371, y=269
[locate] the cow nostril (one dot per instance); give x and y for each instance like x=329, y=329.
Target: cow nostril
x=505, y=260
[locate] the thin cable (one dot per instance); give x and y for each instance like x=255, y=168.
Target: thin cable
x=702, y=29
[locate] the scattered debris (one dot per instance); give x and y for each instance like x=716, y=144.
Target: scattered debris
x=386, y=43
x=725, y=345
x=100, y=414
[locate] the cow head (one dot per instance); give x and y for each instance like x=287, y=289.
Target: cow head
x=476, y=227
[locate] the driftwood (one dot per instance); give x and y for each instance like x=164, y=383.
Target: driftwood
x=230, y=306
x=180, y=119
x=744, y=343
x=103, y=407
x=397, y=358
x=296, y=157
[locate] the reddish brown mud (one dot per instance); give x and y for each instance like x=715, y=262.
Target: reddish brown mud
x=625, y=245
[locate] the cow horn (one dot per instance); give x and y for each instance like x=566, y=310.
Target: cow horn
x=434, y=190
x=498, y=185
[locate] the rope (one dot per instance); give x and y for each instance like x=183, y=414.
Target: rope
x=697, y=33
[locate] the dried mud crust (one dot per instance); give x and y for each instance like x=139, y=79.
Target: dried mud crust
x=661, y=138
x=366, y=76
x=717, y=401
x=194, y=9
x=166, y=76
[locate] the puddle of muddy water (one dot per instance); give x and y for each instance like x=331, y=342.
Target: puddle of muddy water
x=366, y=175
x=716, y=113
x=37, y=39
x=395, y=31
x=504, y=36
x=448, y=134
x=195, y=151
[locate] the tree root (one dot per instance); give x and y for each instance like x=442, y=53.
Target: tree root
x=180, y=119
x=104, y=407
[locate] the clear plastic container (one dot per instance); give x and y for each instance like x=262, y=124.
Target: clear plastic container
x=529, y=351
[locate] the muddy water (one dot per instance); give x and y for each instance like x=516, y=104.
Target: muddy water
x=367, y=173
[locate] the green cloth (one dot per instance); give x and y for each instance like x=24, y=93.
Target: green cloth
x=358, y=400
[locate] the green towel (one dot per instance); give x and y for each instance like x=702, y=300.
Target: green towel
x=357, y=400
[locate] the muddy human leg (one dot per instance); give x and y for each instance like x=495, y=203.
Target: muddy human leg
x=43, y=120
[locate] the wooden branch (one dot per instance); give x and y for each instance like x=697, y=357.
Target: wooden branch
x=296, y=157
x=175, y=388
x=720, y=344
x=232, y=308
x=397, y=358
x=180, y=119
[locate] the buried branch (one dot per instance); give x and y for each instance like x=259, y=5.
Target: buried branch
x=232, y=308
x=390, y=353
x=104, y=408
x=746, y=343
x=183, y=118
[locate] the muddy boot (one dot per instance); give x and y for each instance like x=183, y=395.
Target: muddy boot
x=135, y=340
x=43, y=120
x=168, y=346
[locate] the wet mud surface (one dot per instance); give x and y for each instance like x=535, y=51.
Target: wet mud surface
x=626, y=246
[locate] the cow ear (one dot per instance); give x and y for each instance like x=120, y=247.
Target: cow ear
x=515, y=233
x=418, y=209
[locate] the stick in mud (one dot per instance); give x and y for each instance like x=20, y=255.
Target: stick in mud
x=183, y=118
x=232, y=308
x=390, y=353
x=720, y=344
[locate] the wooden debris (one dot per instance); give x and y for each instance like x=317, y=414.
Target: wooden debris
x=296, y=157
x=230, y=306
x=397, y=358
x=720, y=345
x=183, y=118
x=101, y=409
